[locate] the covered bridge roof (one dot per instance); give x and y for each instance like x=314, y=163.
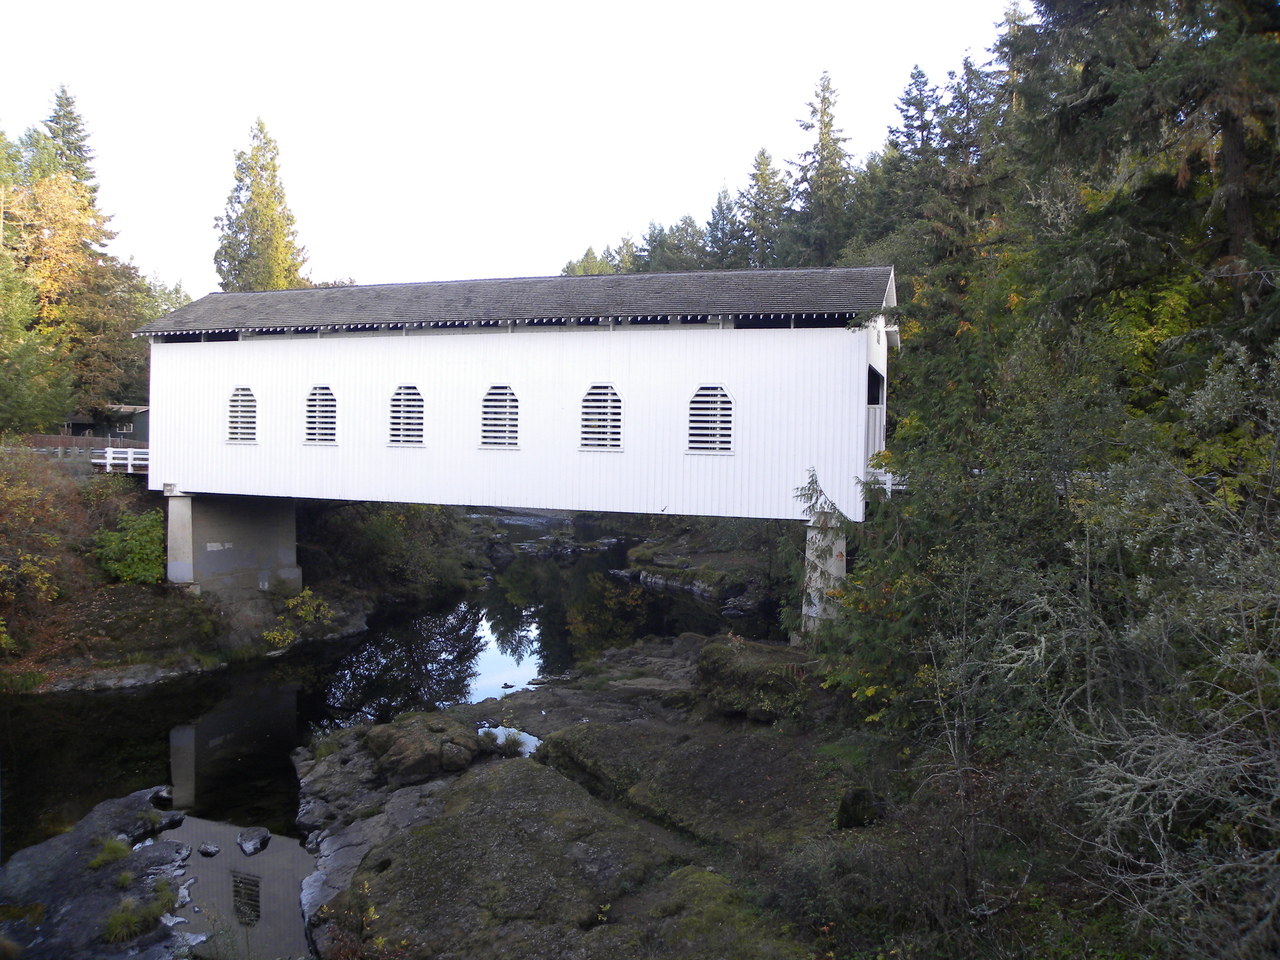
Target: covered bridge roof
x=823, y=297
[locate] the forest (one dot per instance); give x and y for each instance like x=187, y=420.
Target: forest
x=1066, y=609
x=1069, y=609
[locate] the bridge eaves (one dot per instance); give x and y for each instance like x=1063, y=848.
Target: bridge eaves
x=819, y=297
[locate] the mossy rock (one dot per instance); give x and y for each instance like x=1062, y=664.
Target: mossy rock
x=521, y=863
x=718, y=785
x=419, y=746
x=699, y=913
x=754, y=680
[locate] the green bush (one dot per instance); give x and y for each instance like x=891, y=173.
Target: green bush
x=134, y=551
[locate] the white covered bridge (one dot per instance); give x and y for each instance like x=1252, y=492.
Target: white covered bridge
x=711, y=394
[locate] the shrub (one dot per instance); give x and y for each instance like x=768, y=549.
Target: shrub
x=134, y=551
x=134, y=917
x=303, y=611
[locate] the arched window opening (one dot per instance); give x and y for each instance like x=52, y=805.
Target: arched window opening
x=500, y=418
x=601, y=418
x=322, y=416
x=242, y=417
x=711, y=421
x=406, y=415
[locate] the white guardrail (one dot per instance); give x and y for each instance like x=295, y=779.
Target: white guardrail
x=122, y=459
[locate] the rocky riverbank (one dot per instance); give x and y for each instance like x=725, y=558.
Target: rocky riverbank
x=672, y=778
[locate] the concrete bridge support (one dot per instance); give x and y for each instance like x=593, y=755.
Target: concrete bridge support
x=824, y=568
x=233, y=546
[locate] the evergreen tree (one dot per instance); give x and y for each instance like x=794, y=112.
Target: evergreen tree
x=1159, y=122
x=587, y=265
x=764, y=205
x=680, y=249
x=625, y=257
x=823, y=183
x=68, y=308
x=726, y=238
x=10, y=161
x=70, y=141
x=39, y=156
x=258, y=248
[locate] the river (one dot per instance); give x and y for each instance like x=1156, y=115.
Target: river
x=223, y=738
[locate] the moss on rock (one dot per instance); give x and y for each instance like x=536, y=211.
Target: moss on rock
x=419, y=746
x=521, y=863
x=754, y=680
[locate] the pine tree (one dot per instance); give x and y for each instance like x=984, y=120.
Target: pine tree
x=764, y=208
x=258, y=248
x=71, y=142
x=726, y=238
x=823, y=183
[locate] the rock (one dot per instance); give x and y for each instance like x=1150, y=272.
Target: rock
x=417, y=747
x=521, y=863
x=253, y=840
x=208, y=849
x=859, y=807
x=754, y=680
x=57, y=901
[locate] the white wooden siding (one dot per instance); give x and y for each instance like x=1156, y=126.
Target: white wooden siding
x=799, y=403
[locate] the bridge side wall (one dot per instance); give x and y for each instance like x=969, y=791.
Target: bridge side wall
x=799, y=404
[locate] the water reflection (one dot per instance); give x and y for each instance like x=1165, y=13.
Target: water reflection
x=233, y=760
x=562, y=611
x=425, y=662
x=61, y=754
x=242, y=906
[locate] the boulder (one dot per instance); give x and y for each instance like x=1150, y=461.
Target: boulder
x=253, y=840
x=59, y=893
x=859, y=807
x=420, y=746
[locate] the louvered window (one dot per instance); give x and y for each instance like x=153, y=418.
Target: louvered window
x=322, y=416
x=711, y=421
x=500, y=418
x=406, y=415
x=242, y=420
x=602, y=418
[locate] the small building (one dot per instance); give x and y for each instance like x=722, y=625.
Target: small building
x=115, y=422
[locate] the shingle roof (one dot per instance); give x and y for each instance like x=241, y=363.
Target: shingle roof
x=843, y=291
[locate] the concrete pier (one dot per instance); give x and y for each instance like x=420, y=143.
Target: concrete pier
x=233, y=546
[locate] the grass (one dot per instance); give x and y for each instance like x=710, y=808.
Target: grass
x=24, y=682
x=110, y=850
x=134, y=917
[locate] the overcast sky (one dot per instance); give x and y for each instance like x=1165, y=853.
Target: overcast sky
x=446, y=141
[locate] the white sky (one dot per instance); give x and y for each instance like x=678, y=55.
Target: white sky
x=447, y=141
